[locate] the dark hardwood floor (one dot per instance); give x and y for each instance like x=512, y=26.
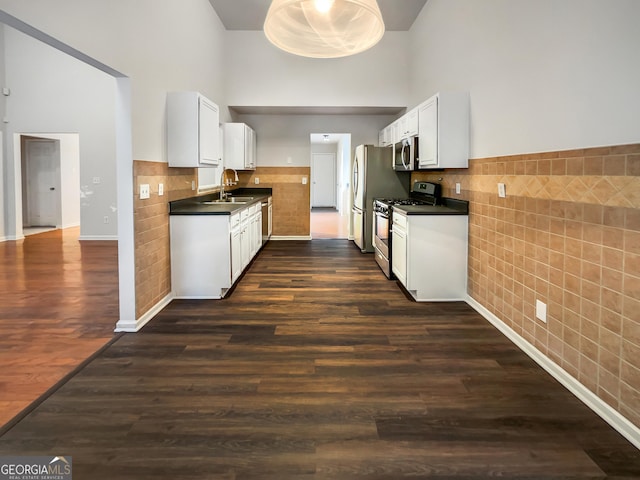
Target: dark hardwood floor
x=317, y=367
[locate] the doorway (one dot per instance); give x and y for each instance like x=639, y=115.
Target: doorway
x=41, y=184
x=330, y=165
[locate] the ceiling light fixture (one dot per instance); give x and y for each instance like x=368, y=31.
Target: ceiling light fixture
x=324, y=28
x=325, y=138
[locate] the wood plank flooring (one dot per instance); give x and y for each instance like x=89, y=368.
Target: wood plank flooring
x=315, y=368
x=58, y=305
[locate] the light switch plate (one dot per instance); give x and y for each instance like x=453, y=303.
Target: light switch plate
x=144, y=191
x=502, y=190
x=160, y=189
x=304, y=180
x=458, y=188
x=256, y=181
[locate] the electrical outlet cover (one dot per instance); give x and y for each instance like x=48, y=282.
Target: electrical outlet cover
x=541, y=311
x=144, y=191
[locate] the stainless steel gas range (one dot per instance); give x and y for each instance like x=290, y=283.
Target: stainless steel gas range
x=424, y=194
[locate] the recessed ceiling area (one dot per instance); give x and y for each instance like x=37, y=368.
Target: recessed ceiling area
x=249, y=15
x=398, y=15
x=317, y=110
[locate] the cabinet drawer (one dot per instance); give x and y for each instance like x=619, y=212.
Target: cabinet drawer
x=399, y=220
x=234, y=221
x=244, y=214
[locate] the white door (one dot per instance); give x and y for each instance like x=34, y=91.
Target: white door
x=42, y=182
x=323, y=180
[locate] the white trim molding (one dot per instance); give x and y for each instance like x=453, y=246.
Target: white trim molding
x=133, y=326
x=94, y=238
x=586, y=396
x=285, y=238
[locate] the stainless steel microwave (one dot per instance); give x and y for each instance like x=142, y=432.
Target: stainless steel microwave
x=405, y=154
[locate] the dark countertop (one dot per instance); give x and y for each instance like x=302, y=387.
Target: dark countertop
x=446, y=206
x=196, y=205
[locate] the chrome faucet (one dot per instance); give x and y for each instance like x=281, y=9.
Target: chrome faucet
x=223, y=195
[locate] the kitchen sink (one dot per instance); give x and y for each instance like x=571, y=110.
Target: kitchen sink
x=239, y=199
x=226, y=200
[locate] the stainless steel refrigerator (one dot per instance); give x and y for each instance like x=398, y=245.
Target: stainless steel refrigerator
x=373, y=177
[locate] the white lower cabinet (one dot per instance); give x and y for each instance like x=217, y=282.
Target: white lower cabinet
x=236, y=258
x=429, y=255
x=399, y=248
x=210, y=252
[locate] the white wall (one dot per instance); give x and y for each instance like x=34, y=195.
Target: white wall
x=171, y=45
x=283, y=137
x=54, y=93
x=344, y=174
x=259, y=74
x=2, y=139
x=543, y=75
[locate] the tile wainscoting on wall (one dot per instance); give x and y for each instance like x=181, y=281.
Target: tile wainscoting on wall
x=567, y=234
x=291, y=217
x=151, y=226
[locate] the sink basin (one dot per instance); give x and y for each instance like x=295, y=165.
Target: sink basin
x=239, y=199
x=227, y=200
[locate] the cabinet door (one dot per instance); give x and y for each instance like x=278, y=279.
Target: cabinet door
x=399, y=253
x=209, y=132
x=249, y=148
x=428, y=131
x=245, y=246
x=412, y=123
x=256, y=233
x=236, y=256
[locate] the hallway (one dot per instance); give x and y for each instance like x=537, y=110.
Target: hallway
x=328, y=223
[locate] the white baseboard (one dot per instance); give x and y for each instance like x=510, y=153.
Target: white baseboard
x=93, y=238
x=586, y=396
x=280, y=238
x=135, y=325
x=3, y=239
x=70, y=225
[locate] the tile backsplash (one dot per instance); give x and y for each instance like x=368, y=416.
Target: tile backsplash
x=291, y=198
x=567, y=234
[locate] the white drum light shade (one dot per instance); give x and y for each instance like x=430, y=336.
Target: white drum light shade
x=324, y=28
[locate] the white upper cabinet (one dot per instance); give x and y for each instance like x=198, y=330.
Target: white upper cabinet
x=386, y=136
x=443, y=130
x=193, y=123
x=239, y=146
x=408, y=125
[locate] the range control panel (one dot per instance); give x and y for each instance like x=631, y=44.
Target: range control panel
x=427, y=188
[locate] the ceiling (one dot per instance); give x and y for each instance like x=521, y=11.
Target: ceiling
x=398, y=15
